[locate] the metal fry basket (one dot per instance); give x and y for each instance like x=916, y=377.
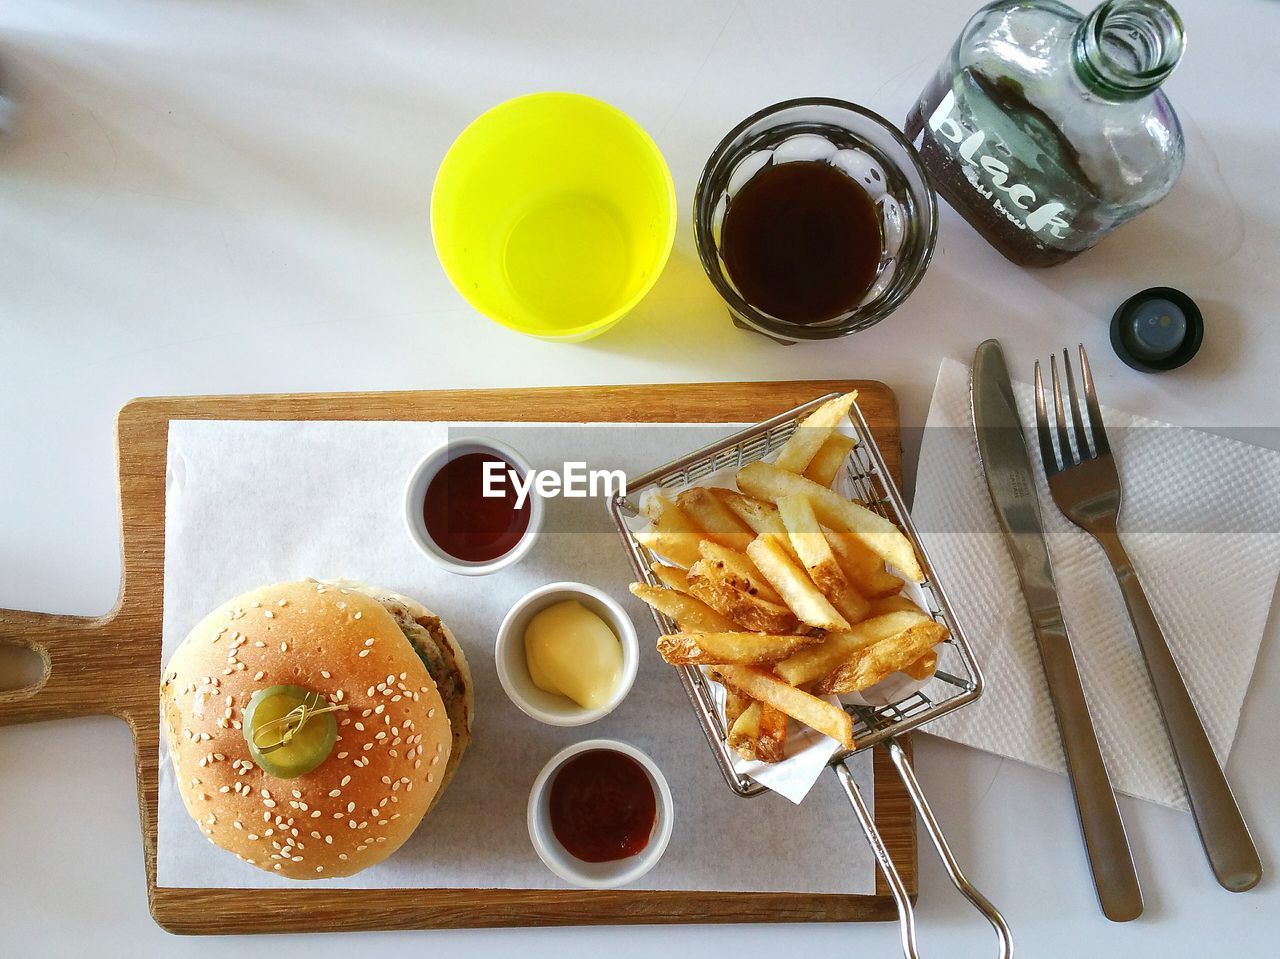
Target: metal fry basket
x=956, y=682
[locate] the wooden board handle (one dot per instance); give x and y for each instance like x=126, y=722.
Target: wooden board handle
x=83, y=672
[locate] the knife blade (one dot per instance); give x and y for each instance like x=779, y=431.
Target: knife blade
x=1006, y=466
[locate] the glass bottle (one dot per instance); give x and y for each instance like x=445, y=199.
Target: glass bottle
x=1046, y=129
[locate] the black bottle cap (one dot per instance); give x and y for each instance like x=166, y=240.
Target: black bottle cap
x=1157, y=330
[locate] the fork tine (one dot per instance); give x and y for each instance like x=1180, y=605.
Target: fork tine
x=1047, y=456
x=1064, y=440
x=1100, y=445
x=1082, y=442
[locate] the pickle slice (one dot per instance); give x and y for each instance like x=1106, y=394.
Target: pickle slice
x=288, y=730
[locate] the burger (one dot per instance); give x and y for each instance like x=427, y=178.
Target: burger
x=312, y=725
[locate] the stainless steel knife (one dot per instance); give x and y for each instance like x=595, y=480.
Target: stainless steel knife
x=1007, y=469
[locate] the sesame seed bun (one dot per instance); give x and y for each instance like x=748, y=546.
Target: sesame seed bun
x=394, y=745
x=445, y=661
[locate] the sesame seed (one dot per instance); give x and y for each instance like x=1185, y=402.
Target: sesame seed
x=364, y=653
x=358, y=614
x=258, y=675
x=325, y=674
x=269, y=803
x=431, y=713
x=295, y=793
x=284, y=647
x=318, y=868
x=335, y=793
x=369, y=641
x=282, y=602
x=253, y=837
x=267, y=613
x=351, y=807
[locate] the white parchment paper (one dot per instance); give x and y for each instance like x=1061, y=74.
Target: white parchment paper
x=250, y=503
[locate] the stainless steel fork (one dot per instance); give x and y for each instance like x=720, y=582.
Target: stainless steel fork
x=1086, y=486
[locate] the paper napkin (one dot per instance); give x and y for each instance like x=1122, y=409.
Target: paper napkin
x=1201, y=520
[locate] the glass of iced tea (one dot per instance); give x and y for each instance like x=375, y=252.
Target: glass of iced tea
x=814, y=219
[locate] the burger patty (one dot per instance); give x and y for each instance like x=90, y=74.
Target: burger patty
x=426, y=635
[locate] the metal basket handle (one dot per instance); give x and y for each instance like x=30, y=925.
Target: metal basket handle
x=906, y=914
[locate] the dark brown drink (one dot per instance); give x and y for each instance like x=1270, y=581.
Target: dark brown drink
x=958, y=184
x=801, y=242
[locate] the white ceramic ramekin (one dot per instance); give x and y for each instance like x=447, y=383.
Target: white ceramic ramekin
x=513, y=665
x=598, y=875
x=416, y=491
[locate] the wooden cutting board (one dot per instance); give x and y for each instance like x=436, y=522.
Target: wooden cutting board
x=111, y=664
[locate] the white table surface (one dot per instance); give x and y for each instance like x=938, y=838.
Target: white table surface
x=231, y=196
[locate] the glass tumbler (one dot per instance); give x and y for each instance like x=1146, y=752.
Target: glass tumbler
x=862, y=145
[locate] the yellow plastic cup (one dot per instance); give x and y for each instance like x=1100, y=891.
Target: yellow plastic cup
x=553, y=214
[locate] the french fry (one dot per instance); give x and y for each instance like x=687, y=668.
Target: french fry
x=673, y=535
x=799, y=705
x=679, y=548
x=863, y=568
x=715, y=649
x=716, y=519
x=812, y=432
x=768, y=481
x=652, y=505
x=881, y=660
x=735, y=704
x=744, y=732
x=924, y=667
x=811, y=546
x=825, y=465
x=759, y=733
x=690, y=614
x=797, y=590
x=738, y=570
x=771, y=743
x=747, y=611
x=894, y=604
x=760, y=516
x=836, y=649
x=672, y=577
